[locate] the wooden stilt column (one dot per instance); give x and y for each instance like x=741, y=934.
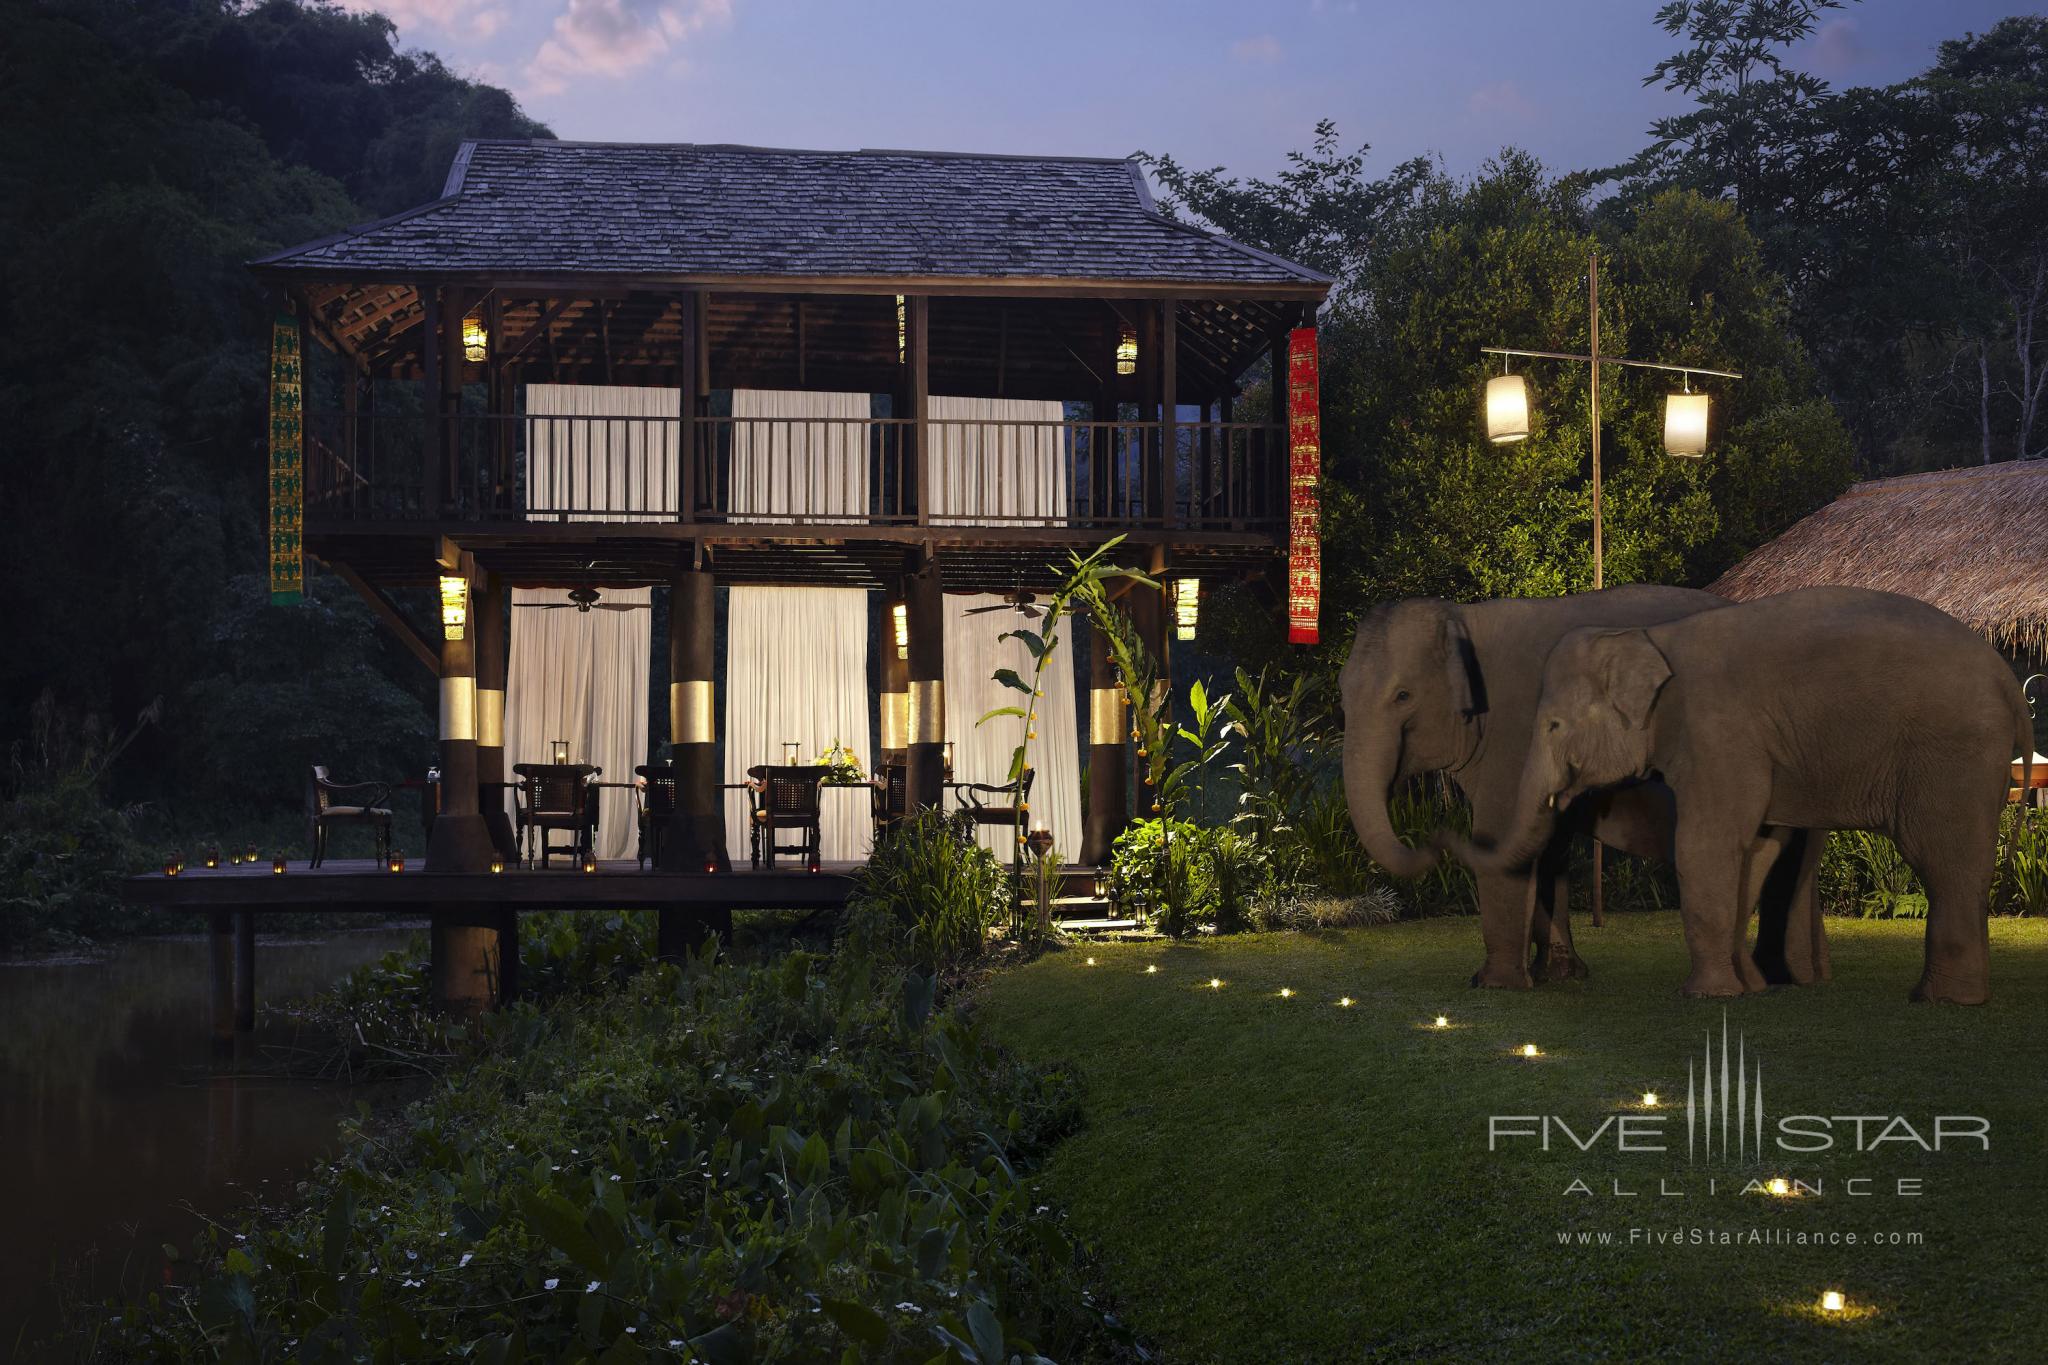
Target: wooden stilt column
x=245, y=972
x=220, y=940
x=487, y=614
x=895, y=721
x=925, y=602
x=1108, y=778
x=695, y=838
x=464, y=962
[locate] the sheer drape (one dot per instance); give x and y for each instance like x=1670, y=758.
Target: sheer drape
x=582, y=677
x=981, y=753
x=990, y=461
x=799, y=456
x=797, y=669
x=587, y=459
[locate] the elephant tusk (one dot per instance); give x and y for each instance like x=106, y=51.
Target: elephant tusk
x=1551, y=801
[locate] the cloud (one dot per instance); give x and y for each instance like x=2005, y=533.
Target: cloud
x=1502, y=99
x=464, y=18
x=1263, y=48
x=1838, y=46
x=617, y=37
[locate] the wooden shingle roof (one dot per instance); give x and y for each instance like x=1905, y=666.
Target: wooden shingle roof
x=545, y=209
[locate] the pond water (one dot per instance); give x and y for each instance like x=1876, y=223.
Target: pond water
x=116, y=1113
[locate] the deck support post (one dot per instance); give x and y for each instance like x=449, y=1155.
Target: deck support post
x=460, y=840
x=487, y=615
x=245, y=972
x=464, y=963
x=220, y=941
x=925, y=601
x=508, y=955
x=1108, y=781
x=695, y=838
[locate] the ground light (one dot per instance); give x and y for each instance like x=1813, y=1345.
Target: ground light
x=1649, y=1099
x=1091, y=962
x=1215, y=983
x=1779, y=1185
x=1286, y=994
x=1832, y=1301
x=396, y=862
x=1346, y=1002
x=1151, y=969
x=1443, y=1021
x=1530, y=1050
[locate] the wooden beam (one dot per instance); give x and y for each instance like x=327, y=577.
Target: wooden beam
x=391, y=614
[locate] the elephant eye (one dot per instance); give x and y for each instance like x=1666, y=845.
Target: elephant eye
x=1401, y=695
x=1553, y=727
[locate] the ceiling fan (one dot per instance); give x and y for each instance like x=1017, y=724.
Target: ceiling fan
x=584, y=600
x=1020, y=602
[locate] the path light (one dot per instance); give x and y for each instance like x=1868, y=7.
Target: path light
x=590, y=862
x=1779, y=1185
x=1832, y=1301
x=212, y=858
x=1215, y=983
x=1151, y=969
x=1685, y=423
x=1529, y=1050
x=1091, y=962
x=1286, y=994
x=1187, y=607
x=1507, y=409
x=174, y=864
x=1443, y=1021
x=1649, y=1099
x=1345, y=1002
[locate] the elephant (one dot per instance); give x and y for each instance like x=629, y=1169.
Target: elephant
x=1432, y=686
x=1817, y=709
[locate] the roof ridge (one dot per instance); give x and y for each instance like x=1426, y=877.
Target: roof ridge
x=1930, y=478
x=933, y=154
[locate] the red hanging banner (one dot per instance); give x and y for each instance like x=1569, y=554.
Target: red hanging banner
x=1304, y=492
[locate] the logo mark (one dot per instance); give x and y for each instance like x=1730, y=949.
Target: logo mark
x=1741, y=1109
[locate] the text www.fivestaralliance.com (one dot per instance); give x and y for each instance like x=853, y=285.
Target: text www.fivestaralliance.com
x=1700, y=1235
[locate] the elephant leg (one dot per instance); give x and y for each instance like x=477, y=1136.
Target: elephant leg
x=1711, y=863
x=1791, y=939
x=1954, y=848
x=1506, y=911
x=1550, y=923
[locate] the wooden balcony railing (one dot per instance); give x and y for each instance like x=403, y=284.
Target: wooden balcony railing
x=855, y=471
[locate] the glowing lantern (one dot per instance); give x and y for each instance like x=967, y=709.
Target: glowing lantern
x=476, y=342
x=900, y=612
x=212, y=858
x=558, y=751
x=454, y=606
x=1127, y=351
x=277, y=865
x=396, y=862
x=497, y=865
x=1187, y=607
x=589, y=862
x=902, y=328
x=1507, y=409
x=174, y=864
x=1685, y=424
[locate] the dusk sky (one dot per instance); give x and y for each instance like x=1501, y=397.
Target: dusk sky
x=1237, y=85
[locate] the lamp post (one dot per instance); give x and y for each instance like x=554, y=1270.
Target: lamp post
x=1685, y=435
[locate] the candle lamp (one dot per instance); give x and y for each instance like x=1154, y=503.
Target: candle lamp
x=277, y=866
x=212, y=857
x=396, y=862
x=174, y=864
x=497, y=865
x=558, y=751
x=590, y=862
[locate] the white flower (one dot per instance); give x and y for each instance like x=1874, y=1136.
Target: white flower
x=467, y=1257
x=591, y=1288
x=615, y=1180
x=908, y=1307
x=549, y=1284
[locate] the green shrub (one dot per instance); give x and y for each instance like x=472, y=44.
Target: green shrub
x=714, y=1163
x=929, y=895
x=1172, y=886
x=1862, y=873
x=2022, y=884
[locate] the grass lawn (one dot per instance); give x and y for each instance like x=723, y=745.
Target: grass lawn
x=1274, y=1178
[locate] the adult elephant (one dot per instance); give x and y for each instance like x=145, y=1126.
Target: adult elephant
x=1435, y=687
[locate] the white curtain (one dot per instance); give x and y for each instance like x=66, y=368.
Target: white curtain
x=1013, y=470
x=981, y=753
x=582, y=677
x=797, y=669
x=799, y=456
x=617, y=469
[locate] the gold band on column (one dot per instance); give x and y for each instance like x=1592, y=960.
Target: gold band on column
x=690, y=710
x=927, y=699
x=1106, y=715
x=458, y=708
x=895, y=720
x=490, y=717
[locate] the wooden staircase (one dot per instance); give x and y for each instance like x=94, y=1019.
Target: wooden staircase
x=1080, y=908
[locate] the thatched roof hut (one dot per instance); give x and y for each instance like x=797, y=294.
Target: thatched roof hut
x=1973, y=542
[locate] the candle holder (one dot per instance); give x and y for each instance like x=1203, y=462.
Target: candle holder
x=277, y=866
x=791, y=750
x=558, y=751
x=590, y=862
x=174, y=863
x=497, y=865
x=395, y=863
x=212, y=856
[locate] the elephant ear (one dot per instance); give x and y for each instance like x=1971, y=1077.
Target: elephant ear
x=1632, y=671
x=1456, y=645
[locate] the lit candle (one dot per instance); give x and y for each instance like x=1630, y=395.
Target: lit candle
x=589, y=863
x=497, y=865
x=396, y=862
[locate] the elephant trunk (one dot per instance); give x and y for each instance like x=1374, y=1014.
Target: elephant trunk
x=1369, y=770
x=1536, y=813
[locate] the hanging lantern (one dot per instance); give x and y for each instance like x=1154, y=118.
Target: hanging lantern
x=1127, y=351
x=476, y=342
x=902, y=329
x=1187, y=606
x=1304, y=489
x=1685, y=424
x=1507, y=409
x=900, y=611
x=454, y=606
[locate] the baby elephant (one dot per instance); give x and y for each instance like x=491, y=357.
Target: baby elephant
x=1826, y=708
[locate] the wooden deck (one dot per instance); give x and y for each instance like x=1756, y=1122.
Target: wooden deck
x=363, y=884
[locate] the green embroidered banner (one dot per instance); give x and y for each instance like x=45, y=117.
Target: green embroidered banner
x=287, y=465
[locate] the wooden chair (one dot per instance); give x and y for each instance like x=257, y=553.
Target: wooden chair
x=330, y=803
x=983, y=803
x=891, y=798
x=555, y=796
x=657, y=805
x=785, y=796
